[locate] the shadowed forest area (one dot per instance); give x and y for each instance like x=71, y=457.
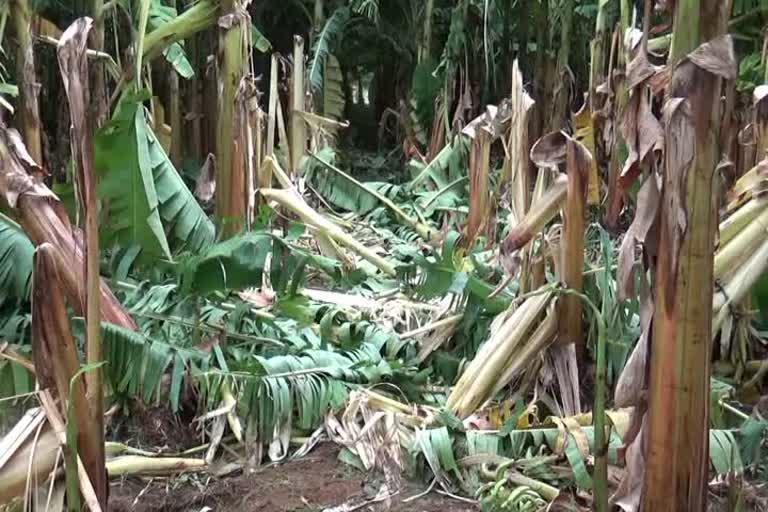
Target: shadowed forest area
x=406, y=255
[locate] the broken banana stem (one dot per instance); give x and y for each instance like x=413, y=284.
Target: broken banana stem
x=477, y=383
x=230, y=402
x=738, y=285
x=541, y=212
x=731, y=257
x=421, y=229
x=287, y=199
x=539, y=341
x=138, y=465
x=741, y=218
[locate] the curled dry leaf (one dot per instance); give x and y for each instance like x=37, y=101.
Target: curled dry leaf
x=74, y=72
x=261, y=298
x=370, y=434
x=205, y=186
x=19, y=174
x=746, y=136
x=646, y=215
x=632, y=382
x=665, y=6
x=493, y=120
x=639, y=127
x=629, y=494
x=659, y=82
x=639, y=70
x=760, y=120
x=717, y=57
x=516, y=165
x=759, y=94
x=680, y=152
x=20, y=150
x=549, y=150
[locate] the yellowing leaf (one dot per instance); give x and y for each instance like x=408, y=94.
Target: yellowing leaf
x=585, y=134
x=529, y=418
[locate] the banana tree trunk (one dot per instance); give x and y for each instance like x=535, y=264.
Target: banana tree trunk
x=425, y=44
x=598, y=48
x=298, y=128
x=231, y=205
x=29, y=111
x=57, y=364
x=559, y=111
x=74, y=71
x=175, y=119
x=174, y=103
x=678, y=444
x=615, y=197
x=99, y=106
x=478, y=218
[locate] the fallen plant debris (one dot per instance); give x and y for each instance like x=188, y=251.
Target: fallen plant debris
x=489, y=267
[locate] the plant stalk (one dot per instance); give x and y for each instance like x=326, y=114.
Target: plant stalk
x=298, y=128
x=29, y=109
x=678, y=416
x=231, y=205
x=423, y=230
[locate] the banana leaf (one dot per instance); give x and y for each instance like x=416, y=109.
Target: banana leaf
x=148, y=202
x=16, y=253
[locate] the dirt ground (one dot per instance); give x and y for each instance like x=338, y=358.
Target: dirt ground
x=309, y=484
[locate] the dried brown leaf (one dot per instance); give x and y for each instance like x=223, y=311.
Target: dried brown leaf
x=639, y=70
x=646, y=214
x=567, y=372
x=16, y=165
x=205, y=186
x=516, y=163
x=479, y=215
x=629, y=494
x=550, y=150
x=74, y=72
x=680, y=153
x=20, y=150
x=642, y=133
x=539, y=215
x=716, y=56
x=493, y=121
x=633, y=382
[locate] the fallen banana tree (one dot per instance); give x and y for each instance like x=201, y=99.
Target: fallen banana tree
x=292, y=201
x=43, y=218
x=500, y=357
x=36, y=443
x=422, y=229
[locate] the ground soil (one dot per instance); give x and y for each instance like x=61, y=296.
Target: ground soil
x=312, y=483
x=154, y=428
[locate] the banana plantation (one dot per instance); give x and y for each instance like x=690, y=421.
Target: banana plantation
x=407, y=255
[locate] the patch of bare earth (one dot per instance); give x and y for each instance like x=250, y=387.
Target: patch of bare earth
x=308, y=484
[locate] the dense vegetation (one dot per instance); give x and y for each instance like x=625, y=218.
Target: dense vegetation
x=514, y=249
